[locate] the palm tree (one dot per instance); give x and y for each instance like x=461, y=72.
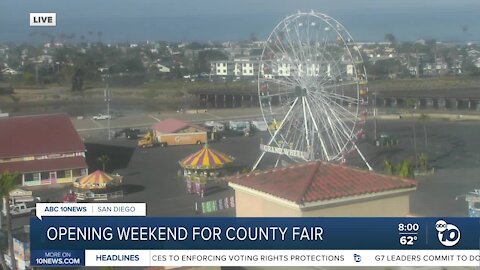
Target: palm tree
x=423, y=162
x=63, y=37
x=404, y=169
x=8, y=182
x=104, y=159
x=389, y=167
x=99, y=34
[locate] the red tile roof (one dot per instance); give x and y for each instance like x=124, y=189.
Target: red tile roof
x=172, y=125
x=44, y=165
x=38, y=135
x=318, y=181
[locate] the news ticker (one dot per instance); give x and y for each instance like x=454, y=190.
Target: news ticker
x=173, y=258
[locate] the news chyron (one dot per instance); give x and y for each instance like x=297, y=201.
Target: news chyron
x=118, y=235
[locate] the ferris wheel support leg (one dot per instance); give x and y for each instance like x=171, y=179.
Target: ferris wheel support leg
x=258, y=161
x=278, y=160
x=275, y=134
x=318, y=131
x=363, y=158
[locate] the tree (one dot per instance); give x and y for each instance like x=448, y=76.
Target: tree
x=195, y=46
x=8, y=182
x=423, y=162
x=391, y=38
x=177, y=71
x=470, y=68
x=104, y=159
x=99, y=34
x=205, y=57
x=63, y=37
x=253, y=37
x=388, y=167
x=77, y=81
x=384, y=68
x=405, y=169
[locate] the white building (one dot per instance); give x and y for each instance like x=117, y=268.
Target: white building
x=162, y=68
x=313, y=69
x=221, y=68
x=278, y=68
x=283, y=69
x=247, y=68
x=237, y=68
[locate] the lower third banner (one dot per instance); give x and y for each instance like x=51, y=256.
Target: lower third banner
x=151, y=241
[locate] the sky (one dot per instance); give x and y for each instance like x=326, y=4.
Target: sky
x=221, y=20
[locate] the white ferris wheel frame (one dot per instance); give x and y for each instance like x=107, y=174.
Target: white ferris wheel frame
x=327, y=117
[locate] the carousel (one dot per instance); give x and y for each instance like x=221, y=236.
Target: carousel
x=205, y=169
x=98, y=186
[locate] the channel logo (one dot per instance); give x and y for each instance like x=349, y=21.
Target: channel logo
x=357, y=258
x=448, y=234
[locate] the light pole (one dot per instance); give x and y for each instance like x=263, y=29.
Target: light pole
x=107, y=100
x=375, y=115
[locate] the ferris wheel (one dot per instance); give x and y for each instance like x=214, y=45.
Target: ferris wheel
x=312, y=90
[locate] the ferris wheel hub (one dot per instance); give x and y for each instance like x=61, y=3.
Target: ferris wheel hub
x=300, y=92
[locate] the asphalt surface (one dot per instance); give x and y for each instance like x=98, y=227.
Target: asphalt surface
x=151, y=175
x=453, y=149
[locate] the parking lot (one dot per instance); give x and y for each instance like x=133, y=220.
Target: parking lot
x=151, y=175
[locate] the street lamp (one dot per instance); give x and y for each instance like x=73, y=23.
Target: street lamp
x=107, y=96
x=375, y=115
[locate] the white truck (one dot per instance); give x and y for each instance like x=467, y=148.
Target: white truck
x=216, y=126
x=23, y=208
x=260, y=125
x=102, y=117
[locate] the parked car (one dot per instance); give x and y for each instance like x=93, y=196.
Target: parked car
x=386, y=140
x=129, y=133
x=102, y=117
x=23, y=208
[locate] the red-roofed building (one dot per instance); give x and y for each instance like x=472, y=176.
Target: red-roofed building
x=176, y=132
x=170, y=125
x=44, y=149
x=320, y=189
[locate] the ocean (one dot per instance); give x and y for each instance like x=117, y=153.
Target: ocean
x=449, y=23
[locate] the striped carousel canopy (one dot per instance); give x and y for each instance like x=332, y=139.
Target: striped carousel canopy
x=95, y=180
x=206, y=158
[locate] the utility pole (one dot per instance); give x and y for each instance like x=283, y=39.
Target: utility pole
x=107, y=100
x=36, y=74
x=375, y=115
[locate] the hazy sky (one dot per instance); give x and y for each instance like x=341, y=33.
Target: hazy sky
x=209, y=19
x=133, y=8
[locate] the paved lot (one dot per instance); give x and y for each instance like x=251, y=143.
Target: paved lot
x=453, y=149
x=151, y=174
x=147, y=119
